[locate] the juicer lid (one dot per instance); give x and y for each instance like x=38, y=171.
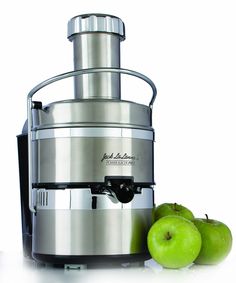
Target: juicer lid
x=91, y=112
x=96, y=23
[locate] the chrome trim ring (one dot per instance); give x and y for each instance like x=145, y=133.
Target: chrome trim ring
x=83, y=199
x=92, y=132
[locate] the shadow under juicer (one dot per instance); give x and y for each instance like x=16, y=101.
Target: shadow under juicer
x=86, y=164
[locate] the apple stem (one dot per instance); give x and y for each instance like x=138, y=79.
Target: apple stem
x=175, y=206
x=206, y=217
x=168, y=236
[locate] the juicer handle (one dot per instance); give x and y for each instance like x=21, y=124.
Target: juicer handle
x=30, y=105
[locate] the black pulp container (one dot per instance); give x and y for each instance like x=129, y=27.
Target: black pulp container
x=26, y=215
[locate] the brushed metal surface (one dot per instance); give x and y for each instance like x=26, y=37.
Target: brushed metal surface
x=94, y=50
x=91, y=232
x=89, y=160
x=91, y=132
x=82, y=199
x=105, y=113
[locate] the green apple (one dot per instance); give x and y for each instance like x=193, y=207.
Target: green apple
x=173, y=209
x=216, y=241
x=174, y=241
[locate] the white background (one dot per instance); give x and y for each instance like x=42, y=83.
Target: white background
x=188, y=48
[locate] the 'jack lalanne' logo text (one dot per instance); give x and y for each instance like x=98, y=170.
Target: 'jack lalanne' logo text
x=119, y=159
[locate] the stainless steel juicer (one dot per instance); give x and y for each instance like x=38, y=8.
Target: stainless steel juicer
x=86, y=164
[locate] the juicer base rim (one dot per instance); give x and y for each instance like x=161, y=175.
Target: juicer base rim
x=90, y=259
